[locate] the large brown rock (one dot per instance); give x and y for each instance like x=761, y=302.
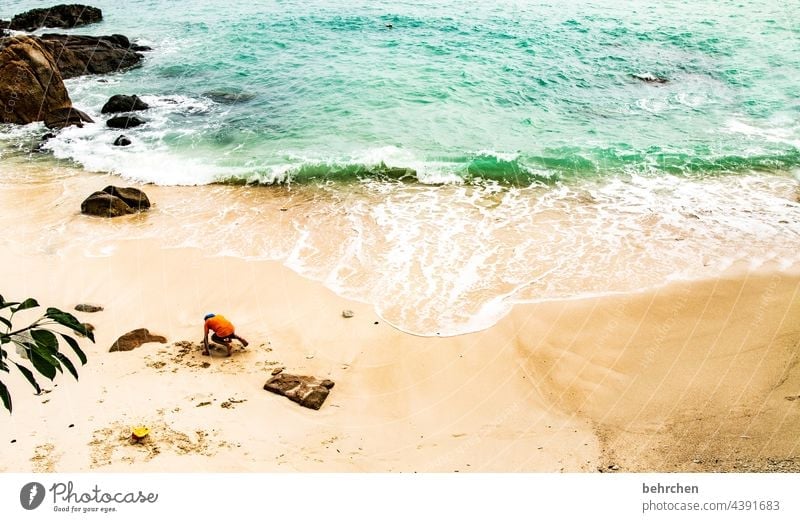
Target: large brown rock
x=135, y=339
x=115, y=201
x=65, y=16
x=102, y=204
x=77, y=55
x=306, y=391
x=134, y=197
x=31, y=86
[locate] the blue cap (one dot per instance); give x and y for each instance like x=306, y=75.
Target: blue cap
x=207, y=317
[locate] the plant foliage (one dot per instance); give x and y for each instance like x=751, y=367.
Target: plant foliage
x=38, y=345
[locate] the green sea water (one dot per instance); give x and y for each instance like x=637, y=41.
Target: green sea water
x=516, y=91
x=470, y=156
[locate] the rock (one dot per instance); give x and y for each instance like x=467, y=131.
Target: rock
x=123, y=103
x=31, y=86
x=135, y=339
x=228, y=97
x=122, y=141
x=77, y=55
x=276, y=371
x=649, y=78
x=60, y=118
x=61, y=16
x=306, y=391
x=134, y=197
x=88, y=308
x=125, y=122
x=103, y=204
x=347, y=314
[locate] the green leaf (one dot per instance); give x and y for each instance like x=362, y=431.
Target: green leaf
x=29, y=375
x=7, y=304
x=26, y=304
x=68, y=364
x=43, y=362
x=5, y=322
x=74, y=345
x=68, y=320
x=45, y=339
x=5, y=396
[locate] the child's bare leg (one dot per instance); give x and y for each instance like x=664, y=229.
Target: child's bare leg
x=241, y=340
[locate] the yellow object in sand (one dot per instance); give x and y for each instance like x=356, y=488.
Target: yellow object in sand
x=140, y=432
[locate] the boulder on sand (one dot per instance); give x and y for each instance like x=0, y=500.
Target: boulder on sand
x=115, y=201
x=306, y=391
x=135, y=339
x=64, y=16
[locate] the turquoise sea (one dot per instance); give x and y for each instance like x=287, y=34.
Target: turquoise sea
x=475, y=153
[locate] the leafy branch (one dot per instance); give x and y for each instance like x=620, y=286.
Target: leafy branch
x=39, y=343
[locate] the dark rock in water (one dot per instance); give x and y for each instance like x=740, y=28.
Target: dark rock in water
x=77, y=55
x=48, y=136
x=649, y=78
x=229, y=98
x=135, y=339
x=103, y=204
x=30, y=83
x=123, y=103
x=122, y=141
x=306, y=391
x=115, y=201
x=4, y=24
x=134, y=197
x=61, y=16
x=88, y=308
x=60, y=118
x=125, y=122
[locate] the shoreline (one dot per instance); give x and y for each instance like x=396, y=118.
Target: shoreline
x=531, y=393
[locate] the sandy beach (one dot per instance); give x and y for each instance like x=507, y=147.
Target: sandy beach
x=692, y=376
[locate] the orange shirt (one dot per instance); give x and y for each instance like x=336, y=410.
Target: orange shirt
x=221, y=326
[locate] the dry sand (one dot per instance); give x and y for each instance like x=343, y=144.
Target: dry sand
x=694, y=376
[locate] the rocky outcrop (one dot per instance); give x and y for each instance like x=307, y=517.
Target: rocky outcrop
x=306, y=391
x=115, y=201
x=60, y=118
x=62, y=16
x=123, y=103
x=135, y=339
x=31, y=86
x=125, y=122
x=77, y=55
x=122, y=141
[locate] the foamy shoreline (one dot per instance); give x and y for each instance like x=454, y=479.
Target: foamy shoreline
x=693, y=376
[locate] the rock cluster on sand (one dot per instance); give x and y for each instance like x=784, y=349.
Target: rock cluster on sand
x=63, y=16
x=115, y=201
x=135, y=339
x=306, y=391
